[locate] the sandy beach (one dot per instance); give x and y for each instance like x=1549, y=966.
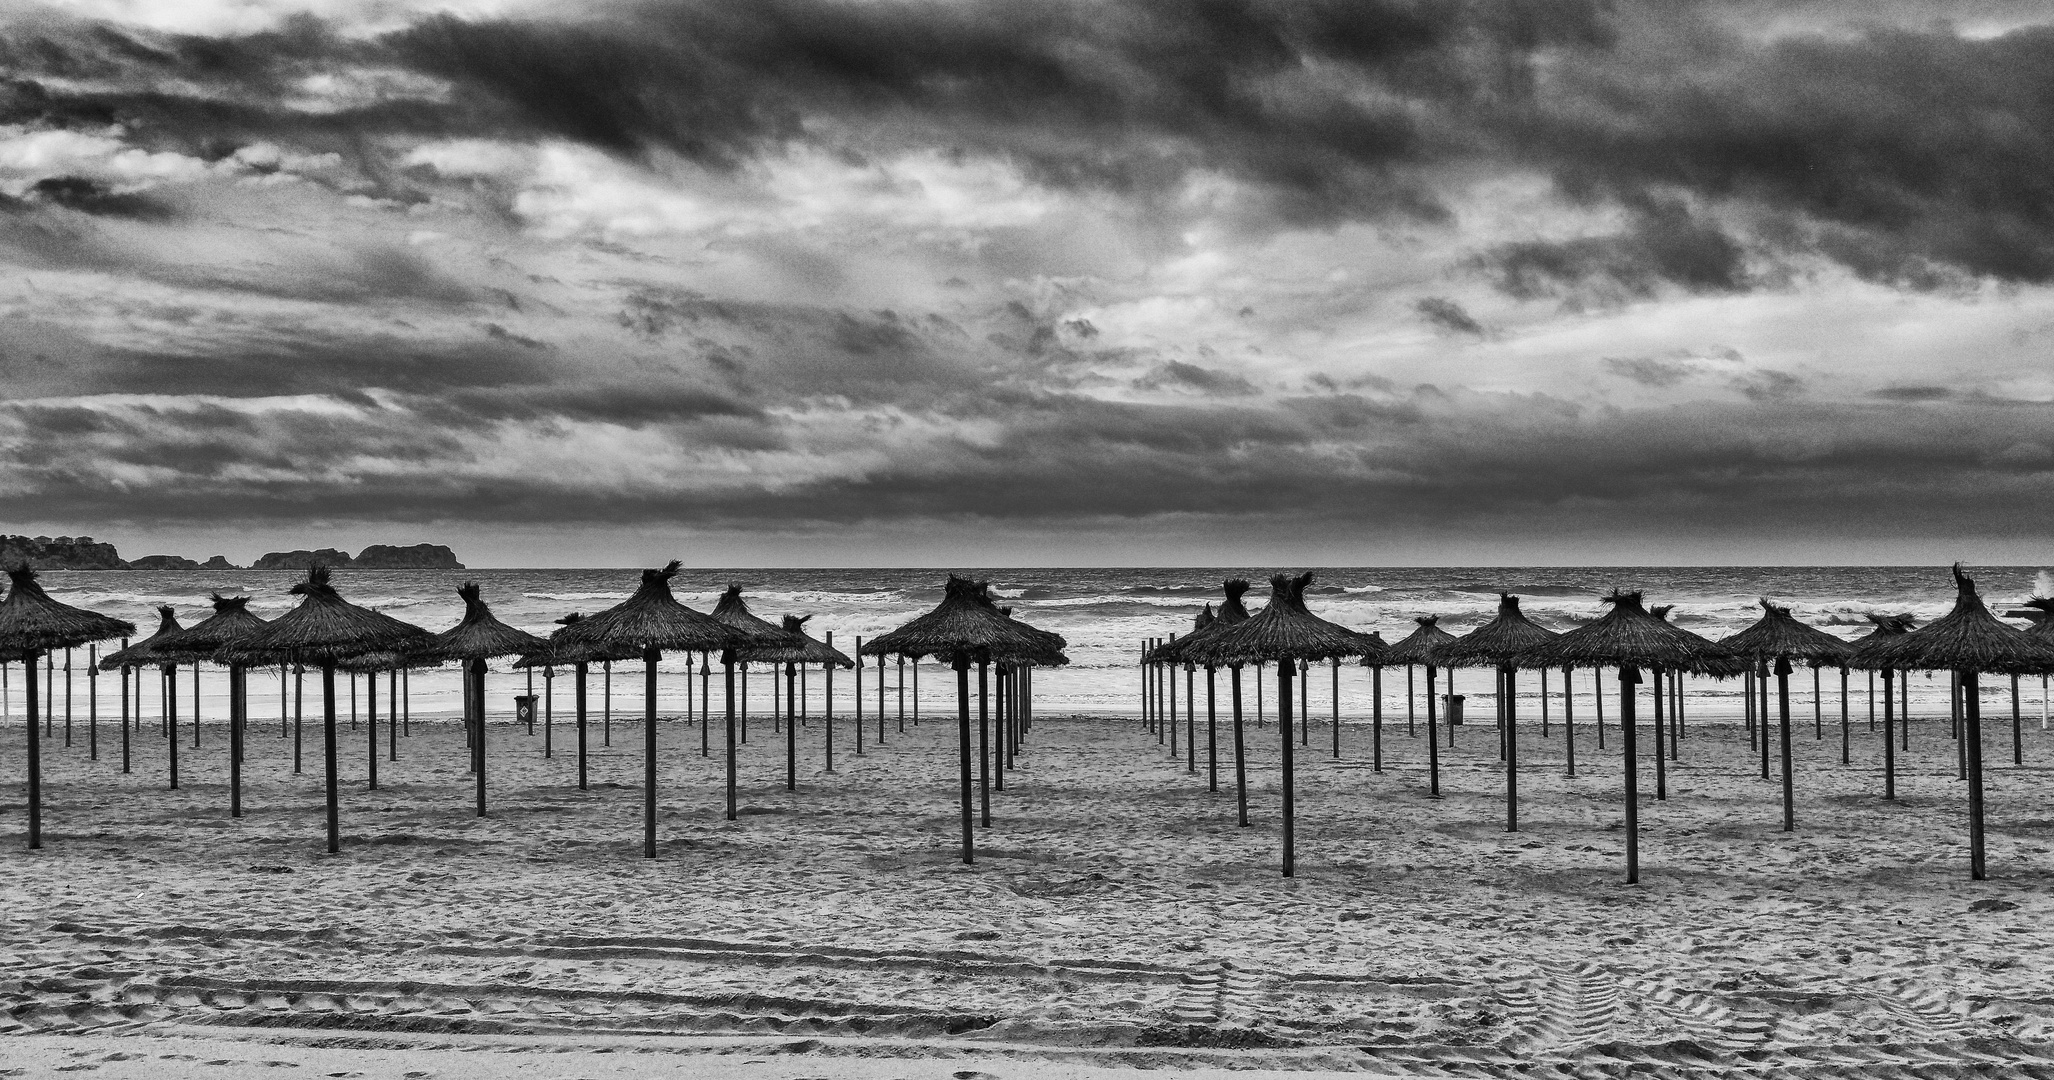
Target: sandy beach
x=1116, y=916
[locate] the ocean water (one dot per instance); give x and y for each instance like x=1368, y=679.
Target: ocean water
x=1104, y=613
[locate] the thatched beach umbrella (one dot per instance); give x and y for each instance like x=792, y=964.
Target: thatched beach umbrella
x=31, y=624
x=1231, y=611
x=1627, y=638
x=210, y=640
x=649, y=622
x=753, y=632
x=1778, y=638
x=963, y=628
x=1970, y=642
x=795, y=652
x=1886, y=627
x=390, y=663
x=2043, y=629
x=1498, y=644
x=146, y=653
x=1416, y=648
x=325, y=629
x=579, y=656
x=1010, y=671
x=1286, y=632
x=477, y=637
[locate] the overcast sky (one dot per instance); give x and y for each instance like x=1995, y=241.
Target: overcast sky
x=1032, y=281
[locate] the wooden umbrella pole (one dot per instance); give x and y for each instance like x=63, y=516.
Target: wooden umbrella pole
x=859, y=695
x=1302, y=671
x=1411, y=726
x=791, y=727
x=1001, y=717
x=395, y=714
x=2017, y=726
x=1889, y=739
x=1545, y=733
x=1597, y=702
x=1240, y=756
x=328, y=755
x=549, y=712
x=606, y=702
x=299, y=701
x=35, y=754
x=93, y=703
x=1511, y=678
x=1212, y=730
x=1846, y=725
x=579, y=678
x=170, y=673
x=1972, y=738
x=902, y=695
x=705, y=718
x=1818, y=707
x=67, y=697
x=1661, y=758
x=1433, y=739
x=1629, y=677
x=123, y=673
x=1568, y=723
x=1168, y=674
x=1290, y=808
x=962, y=666
x=984, y=739
x=827, y=705
x=727, y=664
x=744, y=701
x=370, y=727
x=1783, y=739
x=1376, y=718
x=477, y=672
x=235, y=710
x=1761, y=682
x=1190, y=721
x=916, y=691
x=880, y=701
x=1872, y=701
x=1335, y=689
x=651, y=656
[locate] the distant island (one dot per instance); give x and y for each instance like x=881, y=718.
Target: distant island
x=85, y=553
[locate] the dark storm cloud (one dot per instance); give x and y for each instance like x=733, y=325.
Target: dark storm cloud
x=1648, y=371
x=1448, y=315
x=1175, y=374
x=1666, y=244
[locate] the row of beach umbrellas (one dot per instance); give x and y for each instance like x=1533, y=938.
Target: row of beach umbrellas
x=1629, y=638
x=966, y=630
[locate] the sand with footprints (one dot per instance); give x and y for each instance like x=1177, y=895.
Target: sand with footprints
x=1116, y=917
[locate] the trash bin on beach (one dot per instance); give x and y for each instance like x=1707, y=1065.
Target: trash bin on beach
x=524, y=709
x=1451, y=707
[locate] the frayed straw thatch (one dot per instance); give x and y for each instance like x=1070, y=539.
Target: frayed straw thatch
x=1777, y=635
x=1416, y=647
x=652, y=619
x=1049, y=638
x=760, y=632
x=1968, y=639
x=967, y=626
x=325, y=628
x=1713, y=664
x=1203, y=619
x=150, y=649
x=1627, y=636
x=32, y=622
x=1231, y=611
x=1496, y=643
x=1285, y=630
x=1885, y=627
x=479, y=635
x=803, y=650
x=206, y=640
x=2043, y=627
x=558, y=652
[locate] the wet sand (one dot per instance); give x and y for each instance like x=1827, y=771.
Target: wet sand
x=1116, y=916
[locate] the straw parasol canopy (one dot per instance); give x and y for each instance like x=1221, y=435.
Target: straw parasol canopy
x=1968, y=638
x=1714, y=664
x=150, y=649
x=1285, y=630
x=1231, y=611
x=761, y=633
x=1883, y=629
x=1627, y=636
x=966, y=625
x=1496, y=643
x=1203, y=619
x=31, y=622
x=804, y=649
x=651, y=619
x=2042, y=627
x=323, y=629
x=1415, y=647
x=558, y=651
x=209, y=638
x=479, y=635
x=1050, y=638
x=1777, y=635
